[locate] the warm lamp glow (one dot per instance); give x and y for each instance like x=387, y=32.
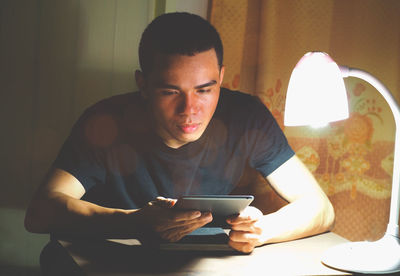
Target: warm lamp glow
x=316, y=94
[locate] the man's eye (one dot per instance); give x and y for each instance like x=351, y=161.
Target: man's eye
x=204, y=90
x=168, y=93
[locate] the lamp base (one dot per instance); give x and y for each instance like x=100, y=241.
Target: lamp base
x=379, y=257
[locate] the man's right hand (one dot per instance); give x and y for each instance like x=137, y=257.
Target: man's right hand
x=57, y=208
x=168, y=223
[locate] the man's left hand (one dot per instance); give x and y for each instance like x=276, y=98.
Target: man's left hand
x=246, y=231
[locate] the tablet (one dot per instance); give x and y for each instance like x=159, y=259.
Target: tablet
x=204, y=239
x=219, y=205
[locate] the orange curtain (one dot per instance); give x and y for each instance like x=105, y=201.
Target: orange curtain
x=352, y=159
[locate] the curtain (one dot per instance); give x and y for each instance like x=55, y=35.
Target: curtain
x=352, y=159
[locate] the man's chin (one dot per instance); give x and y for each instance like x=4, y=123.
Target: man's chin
x=188, y=138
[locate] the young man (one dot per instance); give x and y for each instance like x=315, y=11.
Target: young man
x=129, y=157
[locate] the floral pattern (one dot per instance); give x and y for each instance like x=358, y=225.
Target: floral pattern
x=274, y=99
x=346, y=156
x=355, y=164
x=358, y=128
x=355, y=156
x=387, y=164
x=232, y=84
x=309, y=157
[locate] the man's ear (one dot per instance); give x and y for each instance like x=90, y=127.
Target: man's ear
x=141, y=83
x=221, y=74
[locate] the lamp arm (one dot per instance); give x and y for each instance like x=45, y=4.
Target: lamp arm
x=393, y=227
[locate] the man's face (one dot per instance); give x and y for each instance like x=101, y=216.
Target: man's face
x=183, y=93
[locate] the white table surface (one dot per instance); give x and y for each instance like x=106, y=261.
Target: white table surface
x=127, y=257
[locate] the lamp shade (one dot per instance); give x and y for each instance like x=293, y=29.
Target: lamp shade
x=316, y=94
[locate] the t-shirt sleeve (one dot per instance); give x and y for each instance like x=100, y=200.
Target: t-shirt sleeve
x=82, y=153
x=269, y=147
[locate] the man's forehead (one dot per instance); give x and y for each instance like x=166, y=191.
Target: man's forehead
x=161, y=84
x=161, y=60
x=167, y=68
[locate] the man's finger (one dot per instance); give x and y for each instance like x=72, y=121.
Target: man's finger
x=240, y=220
x=243, y=236
x=178, y=231
x=246, y=227
x=185, y=215
x=249, y=213
x=244, y=247
x=165, y=202
x=181, y=223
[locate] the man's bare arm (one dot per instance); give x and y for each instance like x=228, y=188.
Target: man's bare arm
x=57, y=208
x=309, y=210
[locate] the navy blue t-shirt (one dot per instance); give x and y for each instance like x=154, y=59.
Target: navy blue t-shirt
x=122, y=163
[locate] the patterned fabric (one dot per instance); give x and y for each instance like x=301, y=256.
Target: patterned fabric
x=352, y=159
x=222, y=13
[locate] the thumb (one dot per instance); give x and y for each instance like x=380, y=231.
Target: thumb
x=165, y=202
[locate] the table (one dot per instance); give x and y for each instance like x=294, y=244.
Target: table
x=128, y=257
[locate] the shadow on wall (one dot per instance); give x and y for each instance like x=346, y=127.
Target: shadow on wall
x=19, y=271
x=19, y=250
x=59, y=57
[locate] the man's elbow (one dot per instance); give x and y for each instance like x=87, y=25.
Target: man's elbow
x=31, y=225
x=327, y=216
x=35, y=222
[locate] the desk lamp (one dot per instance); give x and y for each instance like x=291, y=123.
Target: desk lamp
x=316, y=96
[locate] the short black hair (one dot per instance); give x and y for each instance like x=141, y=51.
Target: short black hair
x=178, y=33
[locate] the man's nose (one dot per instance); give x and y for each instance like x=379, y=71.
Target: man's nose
x=188, y=104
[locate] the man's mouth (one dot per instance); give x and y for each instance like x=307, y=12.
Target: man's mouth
x=189, y=128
